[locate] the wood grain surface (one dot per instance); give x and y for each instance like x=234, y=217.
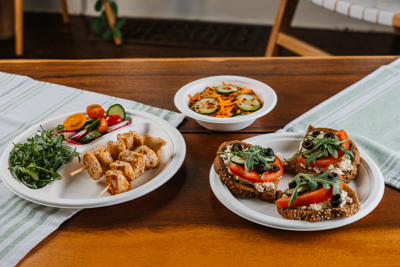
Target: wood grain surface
x=182, y=223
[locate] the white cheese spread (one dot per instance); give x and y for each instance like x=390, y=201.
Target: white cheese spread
x=327, y=203
x=343, y=165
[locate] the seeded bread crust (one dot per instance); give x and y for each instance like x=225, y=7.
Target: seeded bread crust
x=325, y=214
x=237, y=188
x=294, y=167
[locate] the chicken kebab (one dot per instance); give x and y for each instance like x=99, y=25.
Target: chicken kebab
x=123, y=160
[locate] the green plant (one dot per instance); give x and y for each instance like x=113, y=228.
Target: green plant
x=100, y=24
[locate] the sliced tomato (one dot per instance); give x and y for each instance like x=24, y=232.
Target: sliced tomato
x=75, y=122
x=102, y=126
x=254, y=177
x=343, y=135
x=95, y=111
x=306, y=199
x=324, y=161
x=113, y=119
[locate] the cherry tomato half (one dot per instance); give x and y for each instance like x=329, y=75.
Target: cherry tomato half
x=102, y=126
x=95, y=111
x=113, y=119
x=75, y=122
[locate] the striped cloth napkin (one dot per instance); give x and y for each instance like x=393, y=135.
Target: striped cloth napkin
x=369, y=111
x=23, y=103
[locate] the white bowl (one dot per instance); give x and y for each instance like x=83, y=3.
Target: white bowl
x=263, y=91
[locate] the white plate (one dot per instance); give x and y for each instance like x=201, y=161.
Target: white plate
x=80, y=191
x=368, y=185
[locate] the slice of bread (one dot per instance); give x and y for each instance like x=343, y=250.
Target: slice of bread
x=296, y=167
x=235, y=186
x=324, y=214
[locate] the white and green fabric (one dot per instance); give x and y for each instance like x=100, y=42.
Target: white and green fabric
x=369, y=111
x=23, y=103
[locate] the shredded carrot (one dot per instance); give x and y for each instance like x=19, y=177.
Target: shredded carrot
x=226, y=103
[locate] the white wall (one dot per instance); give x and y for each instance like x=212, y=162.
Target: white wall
x=260, y=12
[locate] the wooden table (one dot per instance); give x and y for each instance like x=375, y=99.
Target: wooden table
x=182, y=223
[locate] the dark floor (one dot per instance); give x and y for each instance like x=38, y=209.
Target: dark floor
x=46, y=37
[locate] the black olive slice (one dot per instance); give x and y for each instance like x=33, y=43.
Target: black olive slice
x=333, y=175
x=275, y=168
x=329, y=135
x=292, y=185
x=336, y=200
x=237, y=147
x=308, y=144
x=315, y=134
x=269, y=152
x=351, y=147
x=261, y=168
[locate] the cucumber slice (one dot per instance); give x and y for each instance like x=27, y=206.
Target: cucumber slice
x=206, y=105
x=117, y=109
x=321, y=135
x=237, y=160
x=238, y=114
x=270, y=159
x=248, y=102
x=320, y=155
x=301, y=189
x=226, y=89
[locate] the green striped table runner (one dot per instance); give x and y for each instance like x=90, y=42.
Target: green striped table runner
x=369, y=111
x=23, y=103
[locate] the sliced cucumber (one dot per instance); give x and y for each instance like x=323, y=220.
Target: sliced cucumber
x=248, y=102
x=237, y=160
x=301, y=189
x=226, y=89
x=117, y=109
x=206, y=105
x=270, y=159
x=320, y=155
x=238, y=114
x=321, y=135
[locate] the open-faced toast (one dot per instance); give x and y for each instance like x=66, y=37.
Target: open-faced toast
x=239, y=186
x=345, y=167
x=346, y=210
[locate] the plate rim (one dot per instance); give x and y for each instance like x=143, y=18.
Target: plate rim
x=230, y=201
x=177, y=159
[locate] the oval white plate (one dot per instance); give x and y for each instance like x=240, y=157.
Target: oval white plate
x=80, y=191
x=368, y=185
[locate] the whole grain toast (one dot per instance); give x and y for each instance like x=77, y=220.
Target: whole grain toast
x=295, y=167
x=235, y=186
x=324, y=214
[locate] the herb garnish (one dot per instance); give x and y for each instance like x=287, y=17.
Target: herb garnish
x=322, y=147
x=35, y=163
x=303, y=179
x=254, y=156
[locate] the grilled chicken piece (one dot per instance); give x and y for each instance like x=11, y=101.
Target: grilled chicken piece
x=125, y=167
x=127, y=138
x=151, y=158
x=155, y=144
x=116, y=147
x=117, y=181
x=104, y=156
x=137, y=161
x=138, y=140
x=92, y=164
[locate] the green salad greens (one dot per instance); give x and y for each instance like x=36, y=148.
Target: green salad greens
x=36, y=162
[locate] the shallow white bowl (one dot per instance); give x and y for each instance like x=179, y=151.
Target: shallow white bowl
x=263, y=91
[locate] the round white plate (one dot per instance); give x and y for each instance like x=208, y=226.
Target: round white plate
x=80, y=191
x=368, y=185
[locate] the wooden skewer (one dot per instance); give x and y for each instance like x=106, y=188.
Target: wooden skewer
x=78, y=171
x=105, y=190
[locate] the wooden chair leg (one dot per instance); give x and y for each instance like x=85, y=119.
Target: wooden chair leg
x=282, y=23
x=19, y=27
x=110, y=19
x=64, y=10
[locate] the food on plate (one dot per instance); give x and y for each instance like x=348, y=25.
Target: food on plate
x=249, y=171
x=325, y=149
x=225, y=101
x=119, y=164
x=78, y=129
x=317, y=197
x=36, y=162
